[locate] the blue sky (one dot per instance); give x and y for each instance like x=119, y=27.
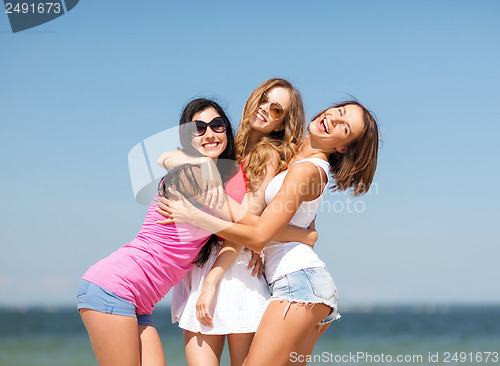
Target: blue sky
x=79, y=92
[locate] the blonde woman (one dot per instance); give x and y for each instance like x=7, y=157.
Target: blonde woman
x=271, y=127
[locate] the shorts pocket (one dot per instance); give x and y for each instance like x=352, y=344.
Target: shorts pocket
x=321, y=282
x=82, y=288
x=280, y=287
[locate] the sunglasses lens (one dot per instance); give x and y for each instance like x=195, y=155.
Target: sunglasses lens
x=218, y=125
x=201, y=128
x=264, y=98
x=275, y=111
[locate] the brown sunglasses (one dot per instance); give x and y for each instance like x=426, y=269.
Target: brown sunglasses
x=275, y=109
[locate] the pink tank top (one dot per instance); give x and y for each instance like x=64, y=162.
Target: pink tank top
x=144, y=270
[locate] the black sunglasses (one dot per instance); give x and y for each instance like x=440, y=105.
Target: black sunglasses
x=218, y=125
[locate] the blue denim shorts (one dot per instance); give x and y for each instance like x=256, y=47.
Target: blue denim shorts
x=307, y=286
x=91, y=296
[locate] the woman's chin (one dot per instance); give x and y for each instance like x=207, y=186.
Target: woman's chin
x=212, y=154
x=260, y=126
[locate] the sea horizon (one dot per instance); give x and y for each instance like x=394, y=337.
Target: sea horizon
x=419, y=334
x=438, y=306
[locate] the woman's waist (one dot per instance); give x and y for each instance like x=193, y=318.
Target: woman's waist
x=287, y=246
x=140, y=260
x=282, y=258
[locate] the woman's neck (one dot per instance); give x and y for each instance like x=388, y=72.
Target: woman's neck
x=252, y=140
x=307, y=150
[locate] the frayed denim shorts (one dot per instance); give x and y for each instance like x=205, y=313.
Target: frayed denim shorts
x=307, y=286
x=94, y=297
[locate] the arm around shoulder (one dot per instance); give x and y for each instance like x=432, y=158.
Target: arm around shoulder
x=172, y=159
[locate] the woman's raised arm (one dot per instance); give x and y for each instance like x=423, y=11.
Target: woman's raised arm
x=211, y=183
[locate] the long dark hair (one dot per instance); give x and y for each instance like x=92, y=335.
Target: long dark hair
x=186, y=133
x=184, y=179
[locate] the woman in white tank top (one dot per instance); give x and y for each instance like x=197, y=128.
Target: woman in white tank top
x=343, y=138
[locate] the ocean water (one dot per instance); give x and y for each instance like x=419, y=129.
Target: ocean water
x=444, y=335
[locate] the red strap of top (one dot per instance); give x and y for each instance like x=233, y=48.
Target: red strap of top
x=237, y=186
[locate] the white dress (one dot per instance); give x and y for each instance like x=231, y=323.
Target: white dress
x=239, y=301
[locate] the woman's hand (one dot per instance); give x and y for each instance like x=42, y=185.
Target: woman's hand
x=211, y=181
x=176, y=211
x=256, y=263
x=213, y=189
x=203, y=305
x=312, y=236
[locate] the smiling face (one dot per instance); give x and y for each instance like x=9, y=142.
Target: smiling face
x=262, y=121
x=211, y=144
x=338, y=127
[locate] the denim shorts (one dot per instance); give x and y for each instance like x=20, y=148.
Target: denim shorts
x=91, y=296
x=308, y=286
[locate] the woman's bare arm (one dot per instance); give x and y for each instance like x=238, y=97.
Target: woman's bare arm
x=233, y=211
x=302, y=183
x=211, y=182
x=173, y=159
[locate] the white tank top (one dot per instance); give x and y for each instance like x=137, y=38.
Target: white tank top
x=281, y=258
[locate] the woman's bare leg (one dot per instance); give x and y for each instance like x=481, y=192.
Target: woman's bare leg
x=114, y=338
x=150, y=347
x=307, y=346
x=202, y=349
x=239, y=344
x=278, y=337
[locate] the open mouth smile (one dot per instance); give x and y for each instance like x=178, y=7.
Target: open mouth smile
x=210, y=145
x=260, y=117
x=323, y=125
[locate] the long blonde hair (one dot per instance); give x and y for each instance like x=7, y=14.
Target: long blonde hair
x=284, y=142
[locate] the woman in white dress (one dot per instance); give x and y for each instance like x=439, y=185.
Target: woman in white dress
x=272, y=125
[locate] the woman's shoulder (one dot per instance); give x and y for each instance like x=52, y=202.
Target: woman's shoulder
x=303, y=169
x=310, y=170
x=319, y=163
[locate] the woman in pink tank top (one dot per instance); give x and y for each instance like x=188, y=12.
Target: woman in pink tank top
x=117, y=295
